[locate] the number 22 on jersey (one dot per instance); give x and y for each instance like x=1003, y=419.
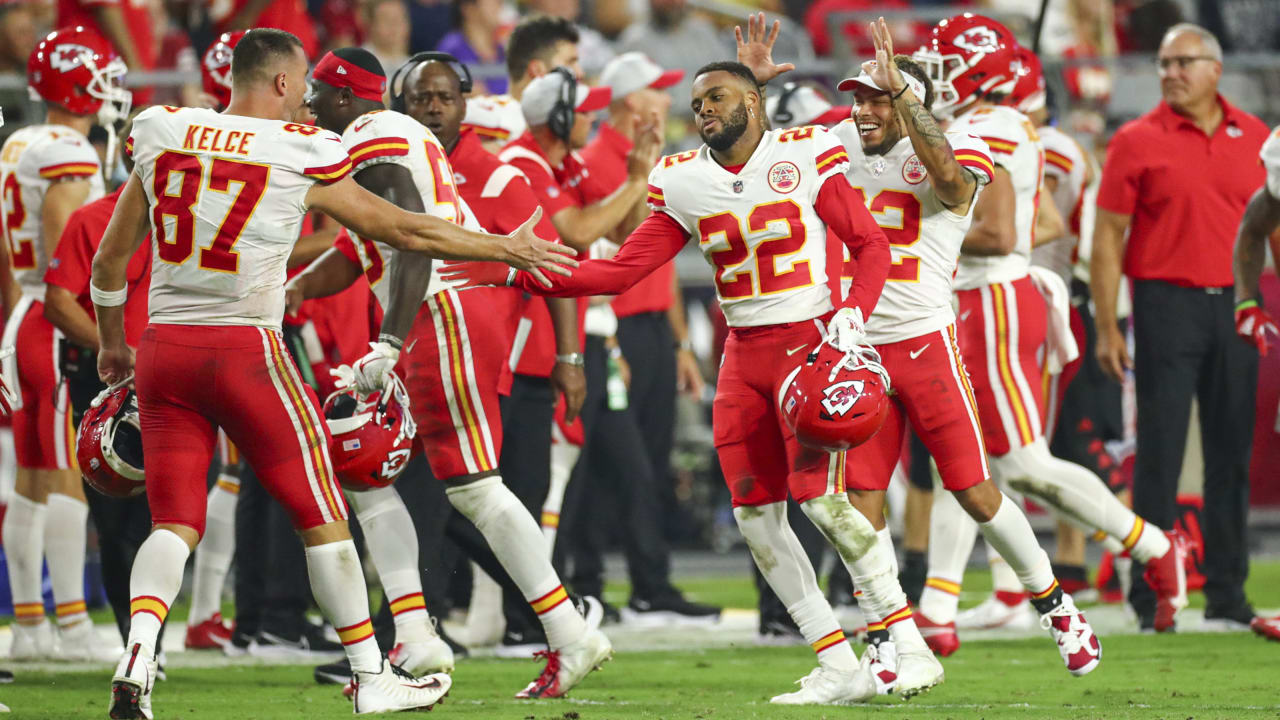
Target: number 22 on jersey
x=898, y=215
x=248, y=182
x=734, y=278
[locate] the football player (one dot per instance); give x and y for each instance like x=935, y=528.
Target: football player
x=225, y=194
x=47, y=171
x=1001, y=327
x=761, y=204
x=457, y=350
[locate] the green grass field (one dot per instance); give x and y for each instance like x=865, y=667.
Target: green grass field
x=1176, y=676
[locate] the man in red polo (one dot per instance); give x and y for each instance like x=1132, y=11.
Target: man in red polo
x=1178, y=179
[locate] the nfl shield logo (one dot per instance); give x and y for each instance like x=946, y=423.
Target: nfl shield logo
x=737, y=186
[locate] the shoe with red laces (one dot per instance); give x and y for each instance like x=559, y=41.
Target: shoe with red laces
x=1078, y=646
x=940, y=637
x=567, y=666
x=212, y=634
x=1167, y=575
x=1268, y=628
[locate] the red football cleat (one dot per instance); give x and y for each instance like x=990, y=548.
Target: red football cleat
x=1268, y=628
x=1078, y=646
x=1167, y=575
x=212, y=634
x=940, y=637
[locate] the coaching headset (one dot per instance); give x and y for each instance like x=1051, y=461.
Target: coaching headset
x=402, y=73
x=560, y=122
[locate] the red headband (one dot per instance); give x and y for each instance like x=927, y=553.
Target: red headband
x=340, y=73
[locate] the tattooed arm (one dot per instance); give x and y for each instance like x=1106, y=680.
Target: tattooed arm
x=953, y=184
x=1261, y=218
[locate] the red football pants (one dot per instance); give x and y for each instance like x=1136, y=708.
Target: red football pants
x=43, y=436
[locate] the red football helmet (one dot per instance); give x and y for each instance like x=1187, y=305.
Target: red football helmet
x=215, y=69
x=968, y=56
x=109, y=443
x=372, y=437
x=834, y=400
x=74, y=67
x=1028, y=93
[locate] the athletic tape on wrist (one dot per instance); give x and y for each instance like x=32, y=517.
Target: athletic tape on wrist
x=108, y=298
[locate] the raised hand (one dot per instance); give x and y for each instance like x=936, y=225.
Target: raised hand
x=461, y=274
x=757, y=51
x=884, y=71
x=527, y=251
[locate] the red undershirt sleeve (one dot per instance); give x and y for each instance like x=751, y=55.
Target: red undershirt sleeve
x=845, y=215
x=658, y=239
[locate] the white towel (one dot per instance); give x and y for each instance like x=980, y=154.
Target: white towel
x=1060, y=345
x=9, y=353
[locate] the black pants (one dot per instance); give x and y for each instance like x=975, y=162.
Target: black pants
x=272, y=589
x=649, y=347
x=771, y=608
x=1186, y=344
x=527, y=414
x=613, y=486
x=1090, y=404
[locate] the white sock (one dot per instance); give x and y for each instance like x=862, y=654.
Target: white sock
x=216, y=548
x=393, y=544
x=8, y=465
x=564, y=457
x=1003, y=578
x=154, y=582
x=23, y=531
x=951, y=536
x=1079, y=495
x=848, y=530
x=785, y=566
x=66, y=527
x=1011, y=535
x=337, y=582
x=520, y=546
x=881, y=596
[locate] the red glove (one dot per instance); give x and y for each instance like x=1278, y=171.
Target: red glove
x=1253, y=323
x=475, y=273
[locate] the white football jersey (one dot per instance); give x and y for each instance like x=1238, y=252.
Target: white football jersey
x=1065, y=160
x=31, y=161
x=924, y=236
x=758, y=228
x=1270, y=157
x=1015, y=146
x=227, y=198
x=385, y=136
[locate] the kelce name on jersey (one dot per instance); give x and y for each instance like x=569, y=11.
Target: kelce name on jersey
x=235, y=141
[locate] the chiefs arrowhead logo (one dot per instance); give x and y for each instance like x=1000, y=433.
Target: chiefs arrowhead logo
x=840, y=398
x=979, y=39
x=68, y=57
x=394, y=464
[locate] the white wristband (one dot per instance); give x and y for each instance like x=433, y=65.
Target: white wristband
x=108, y=298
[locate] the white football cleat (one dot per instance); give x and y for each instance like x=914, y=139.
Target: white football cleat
x=567, y=666
x=393, y=690
x=32, y=642
x=882, y=662
x=79, y=643
x=918, y=671
x=993, y=613
x=131, y=687
x=423, y=658
x=828, y=686
x=1079, y=647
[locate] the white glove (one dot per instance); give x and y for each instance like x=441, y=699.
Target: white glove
x=847, y=331
x=371, y=370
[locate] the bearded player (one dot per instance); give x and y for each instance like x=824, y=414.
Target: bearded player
x=47, y=171
x=456, y=354
x=1001, y=329
x=761, y=205
x=225, y=194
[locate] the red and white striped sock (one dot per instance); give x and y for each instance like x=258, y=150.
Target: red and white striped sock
x=65, y=529
x=153, y=584
x=337, y=582
x=23, y=533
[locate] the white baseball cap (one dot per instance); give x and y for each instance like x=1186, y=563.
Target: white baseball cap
x=541, y=95
x=864, y=80
x=804, y=106
x=633, y=71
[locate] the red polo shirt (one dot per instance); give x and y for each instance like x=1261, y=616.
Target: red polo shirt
x=607, y=158
x=1185, y=191
x=72, y=264
x=554, y=188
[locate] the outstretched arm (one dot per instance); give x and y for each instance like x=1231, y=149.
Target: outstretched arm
x=330, y=274
x=842, y=211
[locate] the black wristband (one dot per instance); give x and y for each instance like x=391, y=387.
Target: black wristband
x=901, y=92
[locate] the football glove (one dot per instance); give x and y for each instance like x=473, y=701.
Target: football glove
x=847, y=331
x=372, y=369
x=1253, y=323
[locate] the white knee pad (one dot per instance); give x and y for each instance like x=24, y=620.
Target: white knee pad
x=370, y=504
x=844, y=527
x=484, y=501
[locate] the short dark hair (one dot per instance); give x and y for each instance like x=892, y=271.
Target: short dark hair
x=258, y=50
x=733, y=68
x=536, y=38
x=909, y=66
x=362, y=59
